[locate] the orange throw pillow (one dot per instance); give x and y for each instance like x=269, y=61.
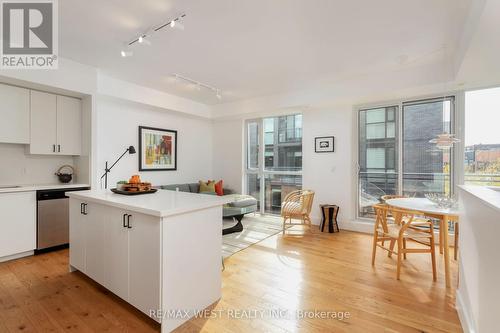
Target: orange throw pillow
x=218, y=188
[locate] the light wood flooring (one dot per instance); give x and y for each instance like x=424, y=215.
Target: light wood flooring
x=316, y=272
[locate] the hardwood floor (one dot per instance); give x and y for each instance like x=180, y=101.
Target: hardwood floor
x=317, y=271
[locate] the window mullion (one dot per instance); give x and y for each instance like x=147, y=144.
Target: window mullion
x=261, y=166
x=399, y=147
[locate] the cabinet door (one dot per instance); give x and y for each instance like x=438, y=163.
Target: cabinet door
x=69, y=125
x=95, y=220
x=76, y=235
x=43, y=123
x=18, y=223
x=15, y=111
x=144, y=262
x=116, y=252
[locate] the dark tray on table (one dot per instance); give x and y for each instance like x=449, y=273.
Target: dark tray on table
x=114, y=190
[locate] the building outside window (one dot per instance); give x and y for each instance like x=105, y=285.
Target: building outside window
x=396, y=137
x=482, y=137
x=276, y=170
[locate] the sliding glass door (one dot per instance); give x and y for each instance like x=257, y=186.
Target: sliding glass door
x=274, y=170
x=396, y=137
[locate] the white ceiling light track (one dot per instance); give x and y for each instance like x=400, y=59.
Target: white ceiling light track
x=145, y=38
x=198, y=84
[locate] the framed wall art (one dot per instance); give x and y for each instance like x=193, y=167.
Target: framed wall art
x=324, y=144
x=157, y=149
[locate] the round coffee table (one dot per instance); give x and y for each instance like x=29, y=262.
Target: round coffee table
x=237, y=214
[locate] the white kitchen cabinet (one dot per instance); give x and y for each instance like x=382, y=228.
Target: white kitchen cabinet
x=56, y=124
x=119, y=249
x=15, y=113
x=95, y=247
x=17, y=223
x=77, y=234
x=69, y=125
x=43, y=123
x=116, y=254
x=144, y=262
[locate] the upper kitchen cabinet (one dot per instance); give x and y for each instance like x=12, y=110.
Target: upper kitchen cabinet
x=56, y=124
x=15, y=112
x=43, y=123
x=69, y=125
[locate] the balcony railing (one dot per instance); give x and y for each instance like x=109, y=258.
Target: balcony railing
x=482, y=179
x=374, y=185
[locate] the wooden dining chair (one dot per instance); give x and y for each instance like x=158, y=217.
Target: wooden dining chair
x=297, y=205
x=399, y=233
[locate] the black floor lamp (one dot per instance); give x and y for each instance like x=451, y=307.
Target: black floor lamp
x=130, y=150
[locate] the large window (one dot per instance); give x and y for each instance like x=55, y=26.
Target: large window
x=482, y=137
x=275, y=170
x=396, y=137
x=377, y=156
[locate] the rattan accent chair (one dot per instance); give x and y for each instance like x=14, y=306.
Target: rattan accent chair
x=297, y=205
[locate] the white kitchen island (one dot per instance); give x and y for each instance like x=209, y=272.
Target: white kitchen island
x=159, y=252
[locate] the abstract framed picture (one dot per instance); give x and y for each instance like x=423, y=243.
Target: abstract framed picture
x=324, y=144
x=157, y=149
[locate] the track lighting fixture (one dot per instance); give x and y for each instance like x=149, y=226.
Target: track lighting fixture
x=144, y=39
x=198, y=84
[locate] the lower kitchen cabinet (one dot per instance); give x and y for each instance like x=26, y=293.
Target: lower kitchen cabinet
x=118, y=249
x=17, y=223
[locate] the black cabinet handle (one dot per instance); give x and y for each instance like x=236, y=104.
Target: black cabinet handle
x=128, y=221
x=85, y=209
x=81, y=208
x=58, y=148
x=124, y=223
x=53, y=148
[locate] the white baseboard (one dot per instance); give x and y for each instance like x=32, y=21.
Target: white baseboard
x=17, y=256
x=464, y=314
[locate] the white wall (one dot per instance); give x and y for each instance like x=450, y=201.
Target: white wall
x=117, y=128
x=328, y=174
x=228, y=152
x=478, y=295
x=19, y=167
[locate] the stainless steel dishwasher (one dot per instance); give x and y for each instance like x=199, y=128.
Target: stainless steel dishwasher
x=53, y=218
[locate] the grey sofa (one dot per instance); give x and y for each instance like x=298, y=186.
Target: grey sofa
x=236, y=209
x=189, y=187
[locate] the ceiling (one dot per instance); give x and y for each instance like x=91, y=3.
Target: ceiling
x=259, y=47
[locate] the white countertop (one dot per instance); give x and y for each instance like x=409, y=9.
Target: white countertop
x=36, y=187
x=162, y=203
x=489, y=196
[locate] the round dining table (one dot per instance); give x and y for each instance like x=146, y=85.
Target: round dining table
x=427, y=208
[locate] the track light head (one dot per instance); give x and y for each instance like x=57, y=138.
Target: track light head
x=176, y=25
x=126, y=53
x=143, y=40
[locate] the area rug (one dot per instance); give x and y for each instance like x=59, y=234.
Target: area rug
x=255, y=229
